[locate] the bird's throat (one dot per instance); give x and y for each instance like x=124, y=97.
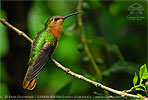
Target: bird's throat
x=56, y=31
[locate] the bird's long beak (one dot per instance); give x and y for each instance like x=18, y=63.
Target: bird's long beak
x=64, y=17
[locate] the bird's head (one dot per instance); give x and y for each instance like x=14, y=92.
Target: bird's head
x=55, y=23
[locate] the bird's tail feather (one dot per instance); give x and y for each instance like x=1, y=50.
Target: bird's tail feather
x=29, y=84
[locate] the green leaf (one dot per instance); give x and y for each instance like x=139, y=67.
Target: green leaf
x=135, y=79
x=140, y=86
x=140, y=89
x=143, y=73
x=140, y=95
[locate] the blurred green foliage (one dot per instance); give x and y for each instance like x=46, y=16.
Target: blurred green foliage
x=4, y=47
x=117, y=44
x=4, y=38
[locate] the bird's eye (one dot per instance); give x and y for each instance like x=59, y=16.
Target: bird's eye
x=56, y=19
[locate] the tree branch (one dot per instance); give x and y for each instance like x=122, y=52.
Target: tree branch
x=83, y=40
x=20, y=33
x=68, y=71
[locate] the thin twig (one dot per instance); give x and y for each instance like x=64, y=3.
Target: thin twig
x=83, y=39
x=20, y=33
x=68, y=71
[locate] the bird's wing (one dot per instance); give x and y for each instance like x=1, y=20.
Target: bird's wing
x=35, y=67
x=40, y=61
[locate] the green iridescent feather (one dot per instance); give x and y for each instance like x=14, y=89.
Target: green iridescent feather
x=38, y=55
x=40, y=40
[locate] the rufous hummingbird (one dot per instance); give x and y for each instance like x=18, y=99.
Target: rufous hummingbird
x=42, y=48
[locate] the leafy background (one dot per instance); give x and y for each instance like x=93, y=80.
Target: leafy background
x=119, y=46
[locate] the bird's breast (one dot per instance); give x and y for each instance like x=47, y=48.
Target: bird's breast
x=56, y=31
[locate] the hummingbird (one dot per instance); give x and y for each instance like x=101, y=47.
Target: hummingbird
x=42, y=48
